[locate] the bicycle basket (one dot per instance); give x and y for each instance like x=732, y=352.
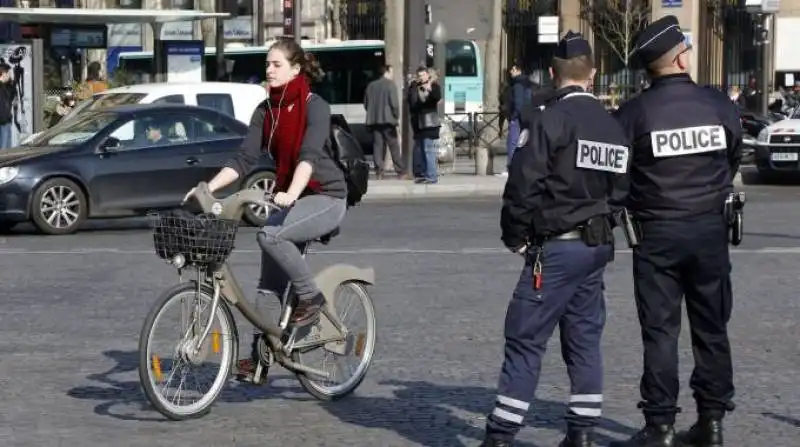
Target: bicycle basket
x=204, y=240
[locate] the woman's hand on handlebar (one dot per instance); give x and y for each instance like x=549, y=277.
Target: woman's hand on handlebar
x=189, y=195
x=284, y=199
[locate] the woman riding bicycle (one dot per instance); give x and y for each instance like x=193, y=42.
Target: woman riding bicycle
x=293, y=126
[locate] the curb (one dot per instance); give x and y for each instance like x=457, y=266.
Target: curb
x=384, y=192
x=445, y=191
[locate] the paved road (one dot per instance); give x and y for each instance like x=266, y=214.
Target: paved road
x=73, y=306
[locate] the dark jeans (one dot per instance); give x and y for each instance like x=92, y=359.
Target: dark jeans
x=5, y=135
x=684, y=259
x=385, y=136
x=571, y=297
x=512, y=139
x=425, y=160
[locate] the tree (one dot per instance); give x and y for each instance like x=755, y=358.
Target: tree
x=208, y=27
x=617, y=22
x=484, y=162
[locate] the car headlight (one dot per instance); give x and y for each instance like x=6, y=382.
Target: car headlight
x=7, y=174
x=763, y=135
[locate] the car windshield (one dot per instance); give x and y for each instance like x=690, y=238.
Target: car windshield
x=796, y=114
x=75, y=132
x=105, y=100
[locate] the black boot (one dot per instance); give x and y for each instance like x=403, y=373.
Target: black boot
x=707, y=432
x=492, y=442
x=652, y=435
x=577, y=437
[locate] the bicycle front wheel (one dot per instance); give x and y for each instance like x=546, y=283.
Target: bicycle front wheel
x=346, y=372
x=167, y=370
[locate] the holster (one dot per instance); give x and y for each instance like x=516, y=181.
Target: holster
x=734, y=217
x=630, y=228
x=597, y=231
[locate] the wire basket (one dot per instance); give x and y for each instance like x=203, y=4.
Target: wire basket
x=204, y=240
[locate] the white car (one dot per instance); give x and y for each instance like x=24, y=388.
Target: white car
x=777, y=148
x=236, y=99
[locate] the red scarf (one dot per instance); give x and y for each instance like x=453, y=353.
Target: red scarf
x=288, y=105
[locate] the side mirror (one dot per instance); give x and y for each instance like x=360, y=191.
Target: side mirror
x=109, y=144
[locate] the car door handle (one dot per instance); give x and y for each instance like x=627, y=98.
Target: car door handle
x=192, y=161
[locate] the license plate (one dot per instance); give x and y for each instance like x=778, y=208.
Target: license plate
x=784, y=156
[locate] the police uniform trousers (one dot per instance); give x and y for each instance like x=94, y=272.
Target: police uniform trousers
x=675, y=259
x=570, y=296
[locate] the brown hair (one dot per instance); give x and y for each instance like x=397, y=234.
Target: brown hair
x=575, y=69
x=294, y=53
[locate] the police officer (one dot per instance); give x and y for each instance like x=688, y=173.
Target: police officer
x=686, y=151
x=555, y=209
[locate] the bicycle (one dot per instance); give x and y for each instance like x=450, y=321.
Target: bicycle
x=204, y=243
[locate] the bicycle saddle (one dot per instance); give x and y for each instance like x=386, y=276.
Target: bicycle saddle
x=326, y=238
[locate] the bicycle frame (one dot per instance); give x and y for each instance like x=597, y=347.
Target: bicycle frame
x=225, y=285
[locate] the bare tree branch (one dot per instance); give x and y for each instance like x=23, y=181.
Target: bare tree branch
x=617, y=22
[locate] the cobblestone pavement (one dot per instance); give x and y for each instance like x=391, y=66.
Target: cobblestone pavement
x=73, y=306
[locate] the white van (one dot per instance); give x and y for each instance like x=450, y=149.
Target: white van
x=236, y=99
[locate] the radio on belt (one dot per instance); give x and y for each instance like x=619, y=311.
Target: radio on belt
x=688, y=140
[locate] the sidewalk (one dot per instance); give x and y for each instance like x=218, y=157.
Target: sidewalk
x=451, y=186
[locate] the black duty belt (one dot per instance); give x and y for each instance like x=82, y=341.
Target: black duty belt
x=568, y=236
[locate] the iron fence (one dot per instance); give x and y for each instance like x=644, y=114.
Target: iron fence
x=361, y=19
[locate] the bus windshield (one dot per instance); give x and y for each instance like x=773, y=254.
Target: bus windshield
x=461, y=59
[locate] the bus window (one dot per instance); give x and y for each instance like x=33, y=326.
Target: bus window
x=347, y=73
x=461, y=59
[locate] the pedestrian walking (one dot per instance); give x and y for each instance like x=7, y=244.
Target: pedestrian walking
x=556, y=215
x=383, y=114
x=518, y=95
x=687, y=149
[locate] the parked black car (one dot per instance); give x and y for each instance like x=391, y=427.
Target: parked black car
x=119, y=162
x=752, y=124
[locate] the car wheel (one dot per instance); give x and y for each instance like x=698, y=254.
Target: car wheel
x=253, y=214
x=59, y=207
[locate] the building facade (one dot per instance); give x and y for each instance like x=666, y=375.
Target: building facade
x=724, y=36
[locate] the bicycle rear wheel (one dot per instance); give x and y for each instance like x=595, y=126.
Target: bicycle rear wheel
x=359, y=346
x=179, y=356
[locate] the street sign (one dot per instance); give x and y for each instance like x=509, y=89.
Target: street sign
x=770, y=6
x=288, y=17
x=548, y=29
x=762, y=6
x=671, y=3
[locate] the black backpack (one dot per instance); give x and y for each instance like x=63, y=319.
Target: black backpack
x=348, y=154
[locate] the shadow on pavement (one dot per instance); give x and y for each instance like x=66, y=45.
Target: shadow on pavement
x=751, y=176
x=781, y=418
x=113, y=393
x=422, y=412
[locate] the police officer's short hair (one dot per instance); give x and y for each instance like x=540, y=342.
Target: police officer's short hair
x=575, y=69
x=666, y=60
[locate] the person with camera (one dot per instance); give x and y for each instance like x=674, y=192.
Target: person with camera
x=424, y=95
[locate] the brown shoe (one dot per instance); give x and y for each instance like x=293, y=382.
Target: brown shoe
x=379, y=176
x=307, y=311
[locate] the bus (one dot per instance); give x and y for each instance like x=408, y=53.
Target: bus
x=349, y=65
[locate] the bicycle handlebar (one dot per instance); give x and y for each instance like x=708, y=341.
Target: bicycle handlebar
x=232, y=206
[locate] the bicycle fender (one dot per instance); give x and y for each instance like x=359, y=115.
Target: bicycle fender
x=329, y=278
